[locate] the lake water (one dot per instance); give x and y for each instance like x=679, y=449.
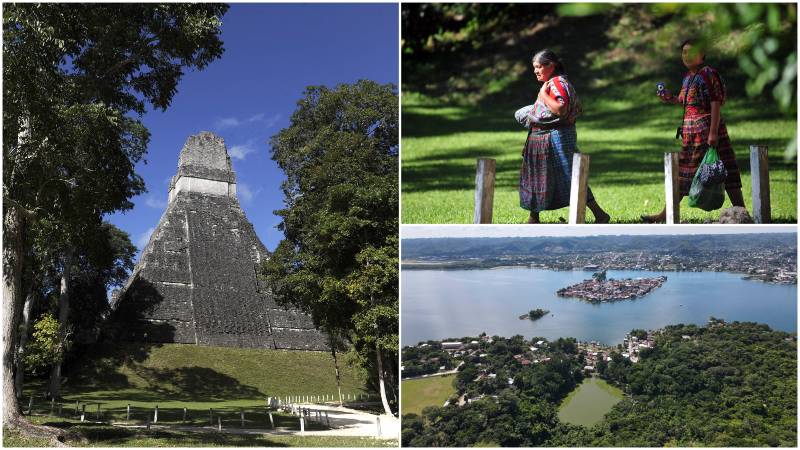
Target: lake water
x=440, y=304
x=589, y=402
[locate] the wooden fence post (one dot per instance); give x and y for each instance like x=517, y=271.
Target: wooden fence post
x=52, y=405
x=211, y=417
x=673, y=207
x=155, y=415
x=378, y=423
x=128, y=413
x=302, y=426
x=327, y=419
x=30, y=405
x=578, y=188
x=271, y=421
x=484, y=190
x=219, y=423
x=98, y=412
x=241, y=412
x=184, y=414
x=759, y=176
x=83, y=413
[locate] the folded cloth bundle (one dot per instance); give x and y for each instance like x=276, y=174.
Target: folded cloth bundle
x=524, y=116
x=711, y=174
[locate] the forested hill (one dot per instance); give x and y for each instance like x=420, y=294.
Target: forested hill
x=514, y=246
x=720, y=386
x=724, y=385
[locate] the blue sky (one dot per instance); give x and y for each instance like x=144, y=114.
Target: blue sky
x=272, y=52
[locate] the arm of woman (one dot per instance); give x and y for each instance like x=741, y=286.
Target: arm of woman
x=559, y=107
x=713, y=133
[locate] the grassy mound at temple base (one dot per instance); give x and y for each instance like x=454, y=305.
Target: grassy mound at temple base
x=175, y=376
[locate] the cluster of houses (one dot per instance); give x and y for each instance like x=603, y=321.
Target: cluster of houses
x=599, y=290
x=595, y=352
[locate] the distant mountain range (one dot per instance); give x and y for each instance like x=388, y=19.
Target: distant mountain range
x=476, y=247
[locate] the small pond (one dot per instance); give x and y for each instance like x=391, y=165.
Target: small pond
x=589, y=402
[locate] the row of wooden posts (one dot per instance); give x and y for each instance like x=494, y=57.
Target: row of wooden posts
x=320, y=398
x=287, y=405
x=759, y=174
x=273, y=402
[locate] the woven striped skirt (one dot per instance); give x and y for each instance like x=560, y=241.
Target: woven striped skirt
x=544, y=180
x=695, y=144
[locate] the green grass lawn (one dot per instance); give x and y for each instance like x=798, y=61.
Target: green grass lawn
x=104, y=435
x=459, y=97
x=626, y=139
x=422, y=392
x=173, y=376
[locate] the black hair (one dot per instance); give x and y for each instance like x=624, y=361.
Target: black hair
x=697, y=43
x=547, y=56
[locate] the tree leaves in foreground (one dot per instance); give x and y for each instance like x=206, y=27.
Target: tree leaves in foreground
x=338, y=260
x=75, y=76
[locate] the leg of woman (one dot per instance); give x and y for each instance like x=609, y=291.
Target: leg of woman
x=735, y=194
x=733, y=183
x=534, y=217
x=600, y=216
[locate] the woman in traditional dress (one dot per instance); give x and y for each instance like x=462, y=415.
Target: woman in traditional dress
x=544, y=181
x=702, y=95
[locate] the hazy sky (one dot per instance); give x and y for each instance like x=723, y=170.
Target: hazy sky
x=431, y=231
x=272, y=53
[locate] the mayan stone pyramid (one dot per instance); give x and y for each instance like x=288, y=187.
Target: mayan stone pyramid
x=196, y=280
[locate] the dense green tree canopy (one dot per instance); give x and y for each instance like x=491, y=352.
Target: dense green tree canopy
x=720, y=385
x=338, y=260
x=76, y=80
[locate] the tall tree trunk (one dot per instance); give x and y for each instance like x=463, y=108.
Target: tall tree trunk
x=392, y=383
x=63, y=323
x=334, y=342
x=13, y=252
x=23, y=341
x=381, y=383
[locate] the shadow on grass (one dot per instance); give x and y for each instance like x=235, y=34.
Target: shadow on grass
x=111, y=436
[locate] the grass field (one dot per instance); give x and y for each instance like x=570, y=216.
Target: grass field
x=422, y=392
x=103, y=435
x=441, y=144
x=174, y=376
x=458, y=105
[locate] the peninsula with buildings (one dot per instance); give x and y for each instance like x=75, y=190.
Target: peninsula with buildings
x=598, y=289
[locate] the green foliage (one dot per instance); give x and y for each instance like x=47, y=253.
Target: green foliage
x=71, y=76
x=338, y=260
x=727, y=385
x=639, y=333
x=74, y=79
x=537, y=313
x=45, y=347
x=523, y=413
x=425, y=360
x=720, y=385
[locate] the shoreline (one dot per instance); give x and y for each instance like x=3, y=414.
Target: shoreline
x=449, y=265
